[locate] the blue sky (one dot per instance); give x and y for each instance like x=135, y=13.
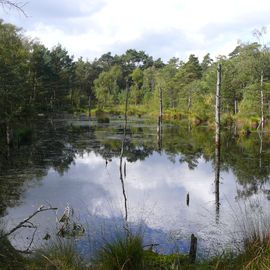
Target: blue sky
x=171, y=28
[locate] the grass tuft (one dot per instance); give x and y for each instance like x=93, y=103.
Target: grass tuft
x=123, y=253
x=60, y=255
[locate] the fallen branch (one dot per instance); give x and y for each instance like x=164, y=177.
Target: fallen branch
x=25, y=223
x=32, y=240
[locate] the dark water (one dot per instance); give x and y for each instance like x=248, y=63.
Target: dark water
x=76, y=163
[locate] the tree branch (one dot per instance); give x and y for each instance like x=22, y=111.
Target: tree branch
x=32, y=240
x=23, y=224
x=16, y=5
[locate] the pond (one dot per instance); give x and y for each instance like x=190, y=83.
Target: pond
x=168, y=183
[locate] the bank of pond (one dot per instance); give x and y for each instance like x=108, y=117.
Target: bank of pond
x=127, y=252
x=242, y=122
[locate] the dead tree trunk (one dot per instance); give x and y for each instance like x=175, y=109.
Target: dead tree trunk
x=262, y=101
x=189, y=103
x=193, y=249
x=121, y=165
x=235, y=106
x=217, y=143
x=89, y=106
x=9, y=136
x=217, y=181
x=159, y=134
x=261, y=149
x=217, y=118
x=160, y=104
x=160, y=118
x=123, y=186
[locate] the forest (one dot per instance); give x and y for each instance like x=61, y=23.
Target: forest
x=37, y=80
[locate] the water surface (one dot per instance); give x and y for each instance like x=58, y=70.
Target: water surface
x=76, y=163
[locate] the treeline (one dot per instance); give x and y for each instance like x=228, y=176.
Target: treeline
x=35, y=79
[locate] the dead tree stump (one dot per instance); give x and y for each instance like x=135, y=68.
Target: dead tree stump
x=193, y=248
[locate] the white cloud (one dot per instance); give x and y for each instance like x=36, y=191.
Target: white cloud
x=90, y=28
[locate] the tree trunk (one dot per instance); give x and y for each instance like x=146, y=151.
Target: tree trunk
x=217, y=118
x=159, y=124
x=217, y=143
x=159, y=134
x=89, y=106
x=262, y=101
x=121, y=163
x=35, y=89
x=193, y=249
x=217, y=180
x=235, y=106
x=261, y=149
x=160, y=103
x=189, y=103
x=8, y=134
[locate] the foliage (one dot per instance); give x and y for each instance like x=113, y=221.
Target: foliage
x=14, y=93
x=106, y=87
x=35, y=79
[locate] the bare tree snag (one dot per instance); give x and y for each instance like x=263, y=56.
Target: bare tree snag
x=193, y=248
x=160, y=118
x=262, y=101
x=121, y=164
x=217, y=118
x=217, y=143
x=9, y=136
x=26, y=223
x=89, y=106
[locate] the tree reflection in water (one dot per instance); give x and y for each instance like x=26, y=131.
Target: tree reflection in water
x=57, y=145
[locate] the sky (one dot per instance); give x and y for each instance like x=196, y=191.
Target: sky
x=165, y=29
